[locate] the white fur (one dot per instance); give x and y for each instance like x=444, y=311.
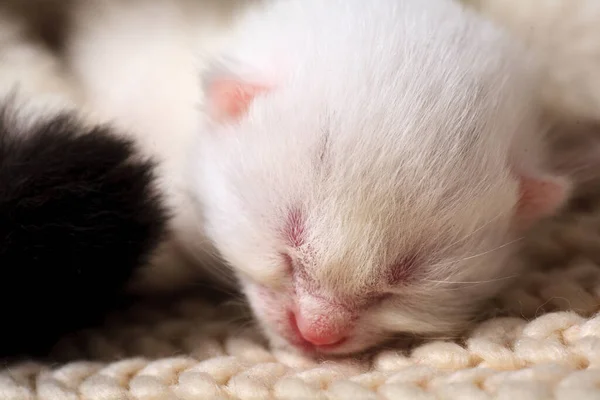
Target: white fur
x=29, y=73
x=423, y=113
x=563, y=34
x=138, y=64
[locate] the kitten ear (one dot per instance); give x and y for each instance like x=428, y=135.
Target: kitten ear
x=540, y=197
x=229, y=96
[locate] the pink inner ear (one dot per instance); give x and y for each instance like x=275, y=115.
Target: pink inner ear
x=540, y=197
x=229, y=99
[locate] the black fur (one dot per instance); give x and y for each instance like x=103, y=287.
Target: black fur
x=77, y=216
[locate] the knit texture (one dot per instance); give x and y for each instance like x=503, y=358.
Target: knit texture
x=541, y=341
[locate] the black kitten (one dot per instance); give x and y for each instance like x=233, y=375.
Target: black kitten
x=79, y=213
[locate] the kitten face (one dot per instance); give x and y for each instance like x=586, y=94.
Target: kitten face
x=351, y=235
x=358, y=200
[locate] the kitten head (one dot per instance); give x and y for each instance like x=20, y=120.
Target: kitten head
x=371, y=174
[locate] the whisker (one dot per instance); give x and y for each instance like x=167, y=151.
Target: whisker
x=467, y=236
x=434, y=268
x=492, y=250
x=474, y=282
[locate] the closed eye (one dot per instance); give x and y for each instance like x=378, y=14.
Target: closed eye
x=288, y=263
x=402, y=271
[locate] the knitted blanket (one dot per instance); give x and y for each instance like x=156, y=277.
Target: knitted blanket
x=540, y=340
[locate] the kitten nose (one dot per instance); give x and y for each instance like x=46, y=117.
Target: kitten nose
x=320, y=331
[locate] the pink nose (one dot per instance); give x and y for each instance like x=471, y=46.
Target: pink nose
x=319, y=332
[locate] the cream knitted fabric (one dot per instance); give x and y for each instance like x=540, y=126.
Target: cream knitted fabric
x=543, y=343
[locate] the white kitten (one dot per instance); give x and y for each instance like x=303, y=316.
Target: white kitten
x=369, y=167
x=366, y=168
